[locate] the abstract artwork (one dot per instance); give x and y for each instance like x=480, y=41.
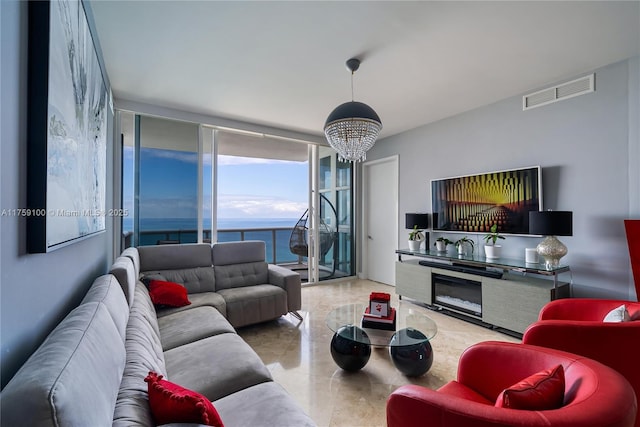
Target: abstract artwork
x=473, y=203
x=67, y=138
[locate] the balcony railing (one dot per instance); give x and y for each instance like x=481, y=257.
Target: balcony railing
x=276, y=239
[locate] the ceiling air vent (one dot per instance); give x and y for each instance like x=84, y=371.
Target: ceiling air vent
x=558, y=93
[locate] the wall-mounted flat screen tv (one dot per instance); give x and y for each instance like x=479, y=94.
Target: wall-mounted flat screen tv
x=473, y=203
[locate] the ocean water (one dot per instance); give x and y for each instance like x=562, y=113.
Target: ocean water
x=183, y=230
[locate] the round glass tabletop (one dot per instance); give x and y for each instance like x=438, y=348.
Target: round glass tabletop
x=415, y=327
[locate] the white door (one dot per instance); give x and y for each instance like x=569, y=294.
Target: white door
x=380, y=219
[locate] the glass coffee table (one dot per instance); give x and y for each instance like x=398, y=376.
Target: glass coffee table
x=408, y=345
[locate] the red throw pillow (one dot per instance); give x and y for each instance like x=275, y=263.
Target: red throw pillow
x=540, y=392
x=171, y=403
x=168, y=293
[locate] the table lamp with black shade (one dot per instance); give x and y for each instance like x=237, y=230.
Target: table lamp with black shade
x=418, y=221
x=551, y=224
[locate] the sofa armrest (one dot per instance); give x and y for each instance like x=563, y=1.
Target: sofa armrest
x=413, y=405
x=583, y=309
x=290, y=282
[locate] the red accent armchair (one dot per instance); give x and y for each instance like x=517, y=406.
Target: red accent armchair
x=575, y=325
x=595, y=395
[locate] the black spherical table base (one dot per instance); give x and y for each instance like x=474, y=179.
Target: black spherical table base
x=412, y=360
x=350, y=354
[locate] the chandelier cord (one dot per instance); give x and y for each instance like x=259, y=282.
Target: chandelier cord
x=352, y=73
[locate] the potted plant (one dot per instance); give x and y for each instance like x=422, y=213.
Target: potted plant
x=462, y=244
x=491, y=250
x=416, y=236
x=441, y=244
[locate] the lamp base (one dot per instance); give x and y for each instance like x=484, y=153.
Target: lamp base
x=552, y=250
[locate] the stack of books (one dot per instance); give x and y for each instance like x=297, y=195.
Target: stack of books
x=379, y=314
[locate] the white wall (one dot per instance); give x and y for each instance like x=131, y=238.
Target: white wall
x=586, y=147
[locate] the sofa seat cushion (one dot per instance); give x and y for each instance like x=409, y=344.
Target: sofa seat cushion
x=215, y=366
x=203, y=299
x=187, y=326
x=73, y=378
x=454, y=388
x=265, y=404
x=254, y=304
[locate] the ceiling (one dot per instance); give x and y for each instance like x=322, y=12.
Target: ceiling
x=281, y=64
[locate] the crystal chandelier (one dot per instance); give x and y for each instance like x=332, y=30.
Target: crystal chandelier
x=353, y=127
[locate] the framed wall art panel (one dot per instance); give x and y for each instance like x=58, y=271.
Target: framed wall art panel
x=68, y=101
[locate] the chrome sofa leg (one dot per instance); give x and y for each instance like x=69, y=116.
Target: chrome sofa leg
x=296, y=315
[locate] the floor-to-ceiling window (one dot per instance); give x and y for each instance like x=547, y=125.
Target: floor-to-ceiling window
x=262, y=187
x=184, y=182
x=336, y=208
x=161, y=180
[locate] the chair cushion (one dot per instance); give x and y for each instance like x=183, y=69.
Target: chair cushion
x=454, y=388
x=171, y=403
x=541, y=391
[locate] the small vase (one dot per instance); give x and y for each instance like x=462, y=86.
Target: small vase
x=414, y=245
x=441, y=246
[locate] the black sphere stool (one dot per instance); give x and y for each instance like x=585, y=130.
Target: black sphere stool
x=412, y=360
x=350, y=348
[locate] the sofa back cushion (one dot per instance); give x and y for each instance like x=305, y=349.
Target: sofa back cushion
x=196, y=279
x=73, y=378
x=124, y=271
x=107, y=291
x=174, y=257
x=238, y=264
x=187, y=264
x=144, y=354
x=227, y=253
x=135, y=257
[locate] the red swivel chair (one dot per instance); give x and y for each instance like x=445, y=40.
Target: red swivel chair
x=576, y=325
x=595, y=395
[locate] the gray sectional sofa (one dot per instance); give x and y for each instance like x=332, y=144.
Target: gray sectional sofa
x=90, y=370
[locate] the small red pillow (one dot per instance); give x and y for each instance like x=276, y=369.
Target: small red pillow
x=168, y=293
x=171, y=403
x=540, y=392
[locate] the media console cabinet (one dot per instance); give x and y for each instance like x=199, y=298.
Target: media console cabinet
x=505, y=293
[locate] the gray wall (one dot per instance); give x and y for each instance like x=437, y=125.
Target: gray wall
x=36, y=291
x=588, y=148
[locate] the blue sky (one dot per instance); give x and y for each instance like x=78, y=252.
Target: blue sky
x=247, y=187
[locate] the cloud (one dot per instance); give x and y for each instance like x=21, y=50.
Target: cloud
x=224, y=160
x=181, y=156
x=248, y=206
